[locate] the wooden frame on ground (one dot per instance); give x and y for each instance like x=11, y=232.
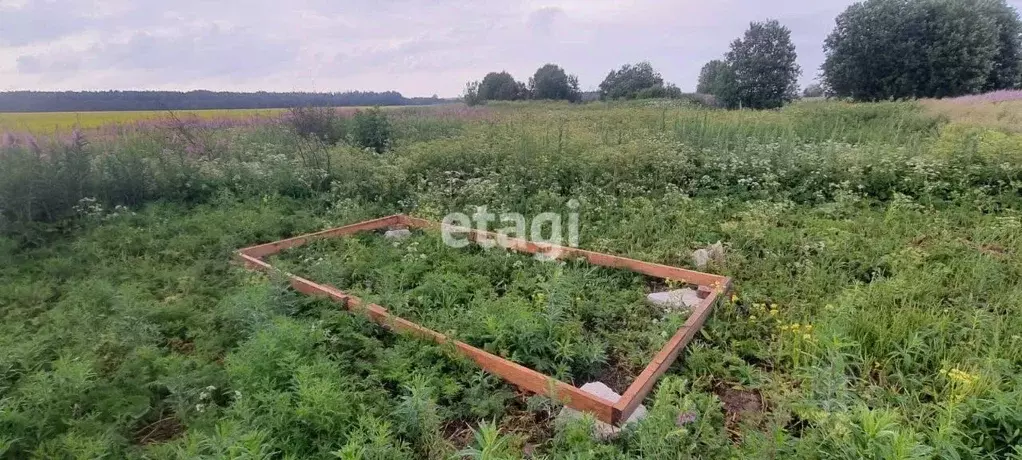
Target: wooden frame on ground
x=711, y=287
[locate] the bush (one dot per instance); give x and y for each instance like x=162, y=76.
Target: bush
x=320, y=123
x=637, y=81
x=659, y=92
x=371, y=130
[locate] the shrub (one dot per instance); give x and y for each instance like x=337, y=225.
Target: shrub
x=639, y=81
x=320, y=123
x=371, y=130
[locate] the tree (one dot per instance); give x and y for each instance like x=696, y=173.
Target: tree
x=814, y=90
x=501, y=87
x=764, y=68
x=897, y=49
x=630, y=81
x=471, y=96
x=717, y=79
x=552, y=82
x=1007, y=70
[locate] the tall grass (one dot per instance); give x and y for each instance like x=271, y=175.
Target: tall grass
x=876, y=250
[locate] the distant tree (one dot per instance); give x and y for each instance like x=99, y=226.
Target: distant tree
x=896, y=49
x=668, y=91
x=629, y=81
x=501, y=87
x=717, y=79
x=471, y=95
x=814, y=90
x=764, y=68
x=552, y=82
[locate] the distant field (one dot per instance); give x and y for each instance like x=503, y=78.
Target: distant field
x=43, y=122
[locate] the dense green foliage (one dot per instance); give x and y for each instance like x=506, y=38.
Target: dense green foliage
x=552, y=83
x=895, y=49
x=371, y=130
x=572, y=321
x=877, y=253
x=368, y=129
x=759, y=72
x=716, y=78
x=502, y=87
x=764, y=68
x=639, y=81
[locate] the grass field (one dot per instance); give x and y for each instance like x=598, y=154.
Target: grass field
x=875, y=250
x=42, y=123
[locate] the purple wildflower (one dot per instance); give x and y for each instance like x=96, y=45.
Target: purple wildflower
x=8, y=140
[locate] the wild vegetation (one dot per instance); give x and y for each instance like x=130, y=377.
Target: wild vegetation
x=896, y=49
x=875, y=247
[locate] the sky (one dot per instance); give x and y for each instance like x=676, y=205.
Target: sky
x=417, y=47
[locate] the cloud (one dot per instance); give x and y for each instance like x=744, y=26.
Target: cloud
x=195, y=53
x=418, y=47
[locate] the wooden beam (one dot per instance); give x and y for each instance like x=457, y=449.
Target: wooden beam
x=665, y=358
x=595, y=258
x=267, y=249
x=516, y=374
x=711, y=287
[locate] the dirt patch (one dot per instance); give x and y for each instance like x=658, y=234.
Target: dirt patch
x=458, y=433
x=740, y=406
x=184, y=347
x=655, y=284
x=160, y=431
x=535, y=427
x=616, y=376
x=995, y=250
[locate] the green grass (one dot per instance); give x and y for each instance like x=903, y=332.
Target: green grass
x=50, y=122
x=875, y=250
x=570, y=320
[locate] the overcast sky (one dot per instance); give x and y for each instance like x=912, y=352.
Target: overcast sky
x=418, y=47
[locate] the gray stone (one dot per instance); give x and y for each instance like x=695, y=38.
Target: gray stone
x=399, y=234
x=712, y=253
x=602, y=431
x=677, y=299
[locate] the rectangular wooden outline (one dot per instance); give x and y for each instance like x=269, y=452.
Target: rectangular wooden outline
x=711, y=287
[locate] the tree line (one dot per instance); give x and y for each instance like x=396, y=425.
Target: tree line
x=878, y=50
x=551, y=82
x=86, y=101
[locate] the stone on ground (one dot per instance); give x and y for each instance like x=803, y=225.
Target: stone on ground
x=602, y=431
x=712, y=253
x=677, y=299
x=399, y=234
